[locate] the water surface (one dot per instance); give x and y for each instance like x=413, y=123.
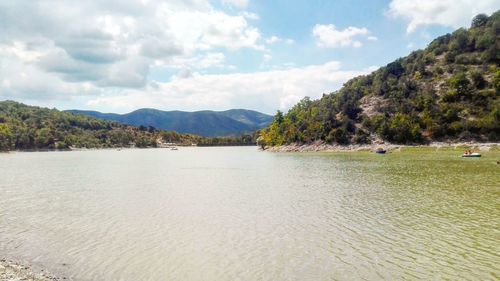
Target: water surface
x=240, y=214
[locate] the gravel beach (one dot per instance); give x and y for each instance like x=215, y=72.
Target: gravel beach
x=15, y=271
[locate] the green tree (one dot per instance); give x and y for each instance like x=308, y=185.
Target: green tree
x=402, y=129
x=479, y=20
x=278, y=118
x=338, y=135
x=44, y=138
x=6, y=137
x=459, y=40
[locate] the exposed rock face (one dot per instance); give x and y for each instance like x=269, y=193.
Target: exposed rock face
x=372, y=105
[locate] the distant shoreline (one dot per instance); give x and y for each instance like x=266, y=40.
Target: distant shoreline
x=115, y=148
x=320, y=146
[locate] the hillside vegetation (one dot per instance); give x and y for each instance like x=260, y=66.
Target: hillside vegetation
x=447, y=92
x=206, y=123
x=24, y=127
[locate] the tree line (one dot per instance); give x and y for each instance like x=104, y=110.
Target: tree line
x=24, y=127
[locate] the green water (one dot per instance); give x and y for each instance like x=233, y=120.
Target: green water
x=241, y=214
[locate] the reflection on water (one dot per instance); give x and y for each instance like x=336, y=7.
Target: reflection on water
x=240, y=214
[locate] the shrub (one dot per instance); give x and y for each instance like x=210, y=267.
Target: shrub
x=361, y=137
x=477, y=80
x=338, y=135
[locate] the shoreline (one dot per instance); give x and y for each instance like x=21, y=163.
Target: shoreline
x=116, y=148
x=14, y=270
x=319, y=146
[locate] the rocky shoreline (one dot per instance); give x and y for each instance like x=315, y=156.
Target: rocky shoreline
x=319, y=146
x=15, y=271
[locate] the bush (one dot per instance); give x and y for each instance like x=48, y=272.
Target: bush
x=439, y=71
x=361, y=137
x=459, y=83
x=338, y=135
x=395, y=68
x=484, y=41
x=439, y=50
x=462, y=59
x=450, y=57
x=459, y=41
x=477, y=80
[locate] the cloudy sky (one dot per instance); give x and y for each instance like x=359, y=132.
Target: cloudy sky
x=117, y=56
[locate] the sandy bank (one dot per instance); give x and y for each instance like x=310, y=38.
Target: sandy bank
x=319, y=146
x=12, y=270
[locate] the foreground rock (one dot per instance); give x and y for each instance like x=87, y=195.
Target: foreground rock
x=14, y=271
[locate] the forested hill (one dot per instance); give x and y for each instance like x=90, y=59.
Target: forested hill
x=205, y=123
x=24, y=127
x=449, y=91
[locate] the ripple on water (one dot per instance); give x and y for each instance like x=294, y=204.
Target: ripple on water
x=239, y=214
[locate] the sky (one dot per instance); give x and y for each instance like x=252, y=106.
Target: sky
x=264, y=55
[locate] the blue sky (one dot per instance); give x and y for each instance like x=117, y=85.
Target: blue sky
x=117, y=56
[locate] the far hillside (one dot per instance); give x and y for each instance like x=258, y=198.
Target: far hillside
x=232, y=122
x=447, y=92
x=24, y=127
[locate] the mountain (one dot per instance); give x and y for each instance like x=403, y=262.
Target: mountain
x=25, y=127
x=446, y=92
x=204, y=123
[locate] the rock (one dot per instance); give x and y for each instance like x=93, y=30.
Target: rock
x=10, y=271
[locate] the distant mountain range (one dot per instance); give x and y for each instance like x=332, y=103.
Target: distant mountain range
x=204, y=123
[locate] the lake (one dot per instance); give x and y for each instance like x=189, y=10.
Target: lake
x=236, y=213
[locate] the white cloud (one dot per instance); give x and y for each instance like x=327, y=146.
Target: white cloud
x=275, y=39
x=267, y=57
x=211, y=60
x=198, y=62
x=207, y=30
x=155, y=48
x=452, y=13
x=70, y=49
x=265, y=91
x=250, y=16
x=20, y=51
x=183, y=74
x=236, y=3
x=328, y=36
x=30, y=83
